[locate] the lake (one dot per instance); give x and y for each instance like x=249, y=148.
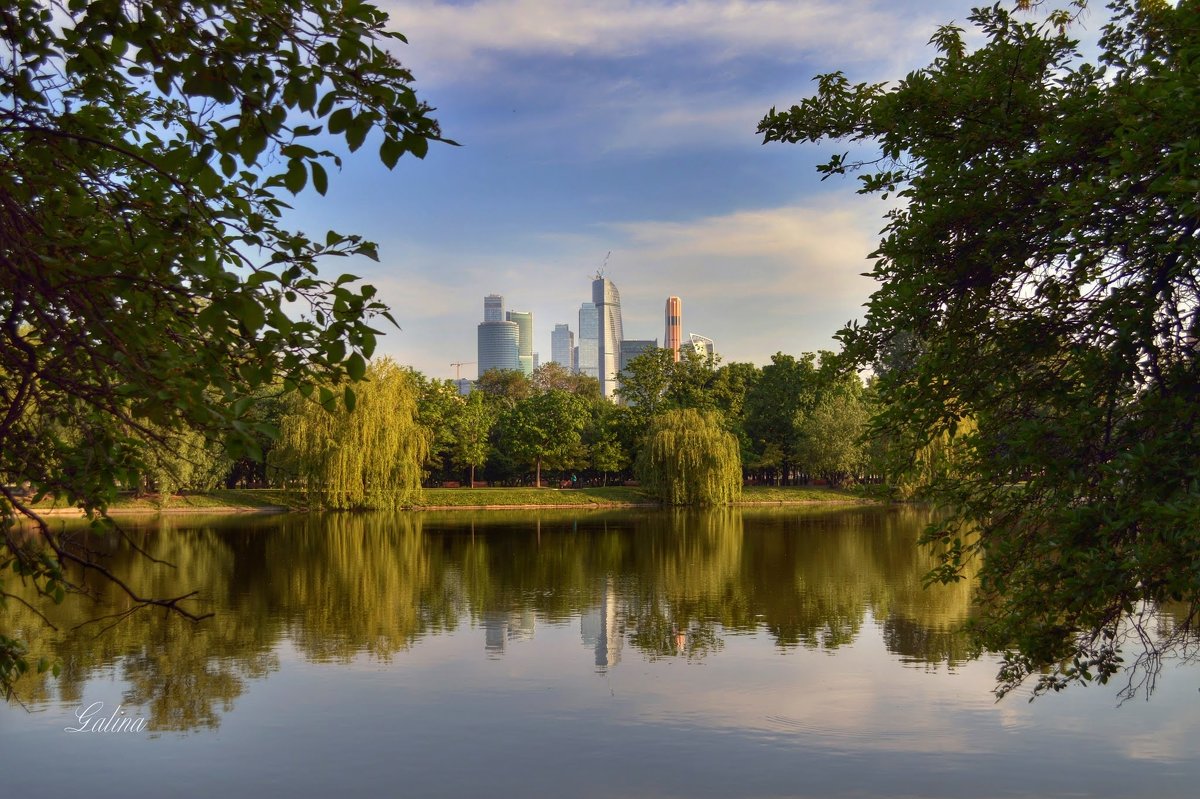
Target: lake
x=731, y=653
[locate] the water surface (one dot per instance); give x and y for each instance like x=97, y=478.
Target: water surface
x=747, y=653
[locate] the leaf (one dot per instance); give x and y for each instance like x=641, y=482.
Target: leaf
x=390, y=151
x=349, y=398
x=319, y=178
x=356, y=367
x=296, y=176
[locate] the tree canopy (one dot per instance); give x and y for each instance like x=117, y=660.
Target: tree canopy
x=147, y=282
x=370, y=457
x=689, y=458
x=1040, y=271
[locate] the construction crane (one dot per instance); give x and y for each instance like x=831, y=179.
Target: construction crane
x=604, y=263
x=458, y=365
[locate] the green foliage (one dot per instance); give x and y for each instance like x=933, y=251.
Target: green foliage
x=147, y=153
x=546, y=429
x=786, y=388
x=1044, y=259
x=370, y=457
x=506, y=387
x=689, y=458
x=471, y=428
x=438, y=406
x=186, y=460
x=830, y=436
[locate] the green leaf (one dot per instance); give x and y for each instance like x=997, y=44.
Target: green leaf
x=319, y=178
x=356, y=367
x=390, y=151
x=296, y=176
x=349, y=398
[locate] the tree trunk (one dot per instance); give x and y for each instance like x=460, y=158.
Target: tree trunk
x=538, y=482
x=471, y=484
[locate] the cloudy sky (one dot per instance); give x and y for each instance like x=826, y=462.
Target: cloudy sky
x=623, y=126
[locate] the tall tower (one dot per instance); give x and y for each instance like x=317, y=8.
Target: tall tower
x=607, y=300
x=497, y=344
x=587, y=362
x=493, y=308
x=562, y=347
x=674, y=318
x=524, y=320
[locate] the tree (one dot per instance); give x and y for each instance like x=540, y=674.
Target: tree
x=689, y=458
x=607, y=437
x=830, y=436
x=471, y=428
x=147, y=149
x=370, y=456
x=438, y=408
x=1045, y=258
x=551, y=375
x=786, y=387
x=546, y=429
x=506, y=386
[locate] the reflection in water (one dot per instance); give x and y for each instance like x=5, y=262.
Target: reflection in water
x=671, y=584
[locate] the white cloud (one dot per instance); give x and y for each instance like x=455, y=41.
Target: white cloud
x=756, y=281
x=446, y=38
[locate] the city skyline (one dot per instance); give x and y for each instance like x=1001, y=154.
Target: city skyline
x=630, y=128
x=565, y=343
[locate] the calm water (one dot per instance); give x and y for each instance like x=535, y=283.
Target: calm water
x=725, y=654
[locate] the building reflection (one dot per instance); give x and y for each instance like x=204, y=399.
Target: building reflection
x=499, y=629
x=602, y=628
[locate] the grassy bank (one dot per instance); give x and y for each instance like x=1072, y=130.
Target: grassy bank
x=794, y=494
x=252, y=500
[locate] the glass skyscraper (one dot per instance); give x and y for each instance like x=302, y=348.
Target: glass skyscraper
x=524, y=320
x=588, y=362
x=562, y=347
x=498, y=339
x=607, y=300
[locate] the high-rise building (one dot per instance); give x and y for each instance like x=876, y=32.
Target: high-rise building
x=497, y=339
x=562, y=347
x=588, y=360
x=607, y=300
x=524, y=320
x=703, y=345
x=674, y=330
x=493, y=308
x=631, y=348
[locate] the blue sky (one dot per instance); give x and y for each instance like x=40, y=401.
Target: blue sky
x=590, y=127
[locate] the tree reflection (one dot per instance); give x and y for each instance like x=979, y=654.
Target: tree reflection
x=339, y=587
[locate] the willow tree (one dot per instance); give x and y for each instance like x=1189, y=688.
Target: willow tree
x=689, y=458
x=365, y=454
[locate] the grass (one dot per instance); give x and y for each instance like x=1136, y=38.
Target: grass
x=240, y=499
x=802, y=494
x=584, y=497
x=611, y=496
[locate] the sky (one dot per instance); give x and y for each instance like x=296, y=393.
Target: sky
x=621, y=134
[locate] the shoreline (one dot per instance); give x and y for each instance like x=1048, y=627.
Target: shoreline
x=234, y=510
x=229, y=502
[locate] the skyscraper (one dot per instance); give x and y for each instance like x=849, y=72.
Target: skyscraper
x=588, y=361
x=703, y=345
x=674, y=319
x=524, y=320
x=607, y=300
x=493, y=308
x=631, y=348
x=562, y=347
x=497, y=339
